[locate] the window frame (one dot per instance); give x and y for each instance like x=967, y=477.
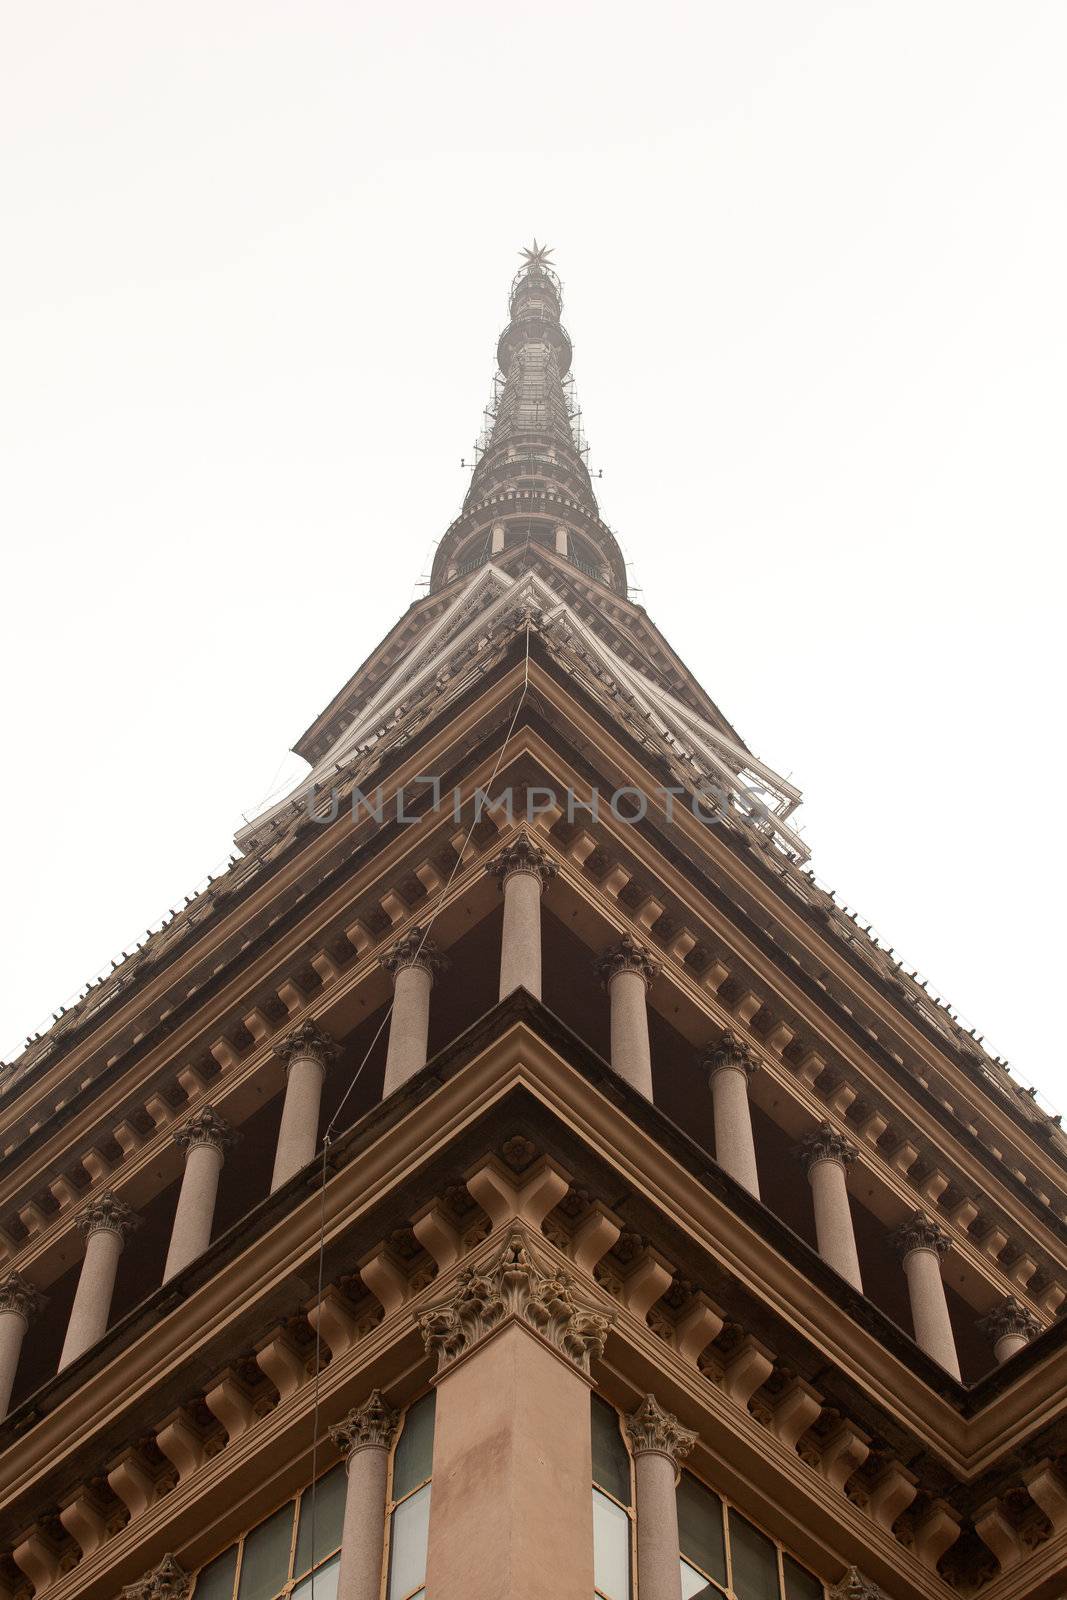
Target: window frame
x=391, y=1502
x=726, y=1505
x=293, y=1580
x=631, y=1509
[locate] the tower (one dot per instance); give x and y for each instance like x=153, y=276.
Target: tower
x=516, y=1176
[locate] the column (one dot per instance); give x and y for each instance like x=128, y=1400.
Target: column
x=1011, y=1327
x=522, y=870
x=168, y=1581
x=626, y=971
x=731, y=1065
x=413, y=961
x=104, y=1224
x=203, y=1138
x=307, y=1052
x=826, y=1156
x=658, y=1442
x=19, y=1301
x=365, y=1438
x=511, y=1510
x=922, y=1244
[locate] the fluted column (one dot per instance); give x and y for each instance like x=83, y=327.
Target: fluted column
x=522, y=870
x=826, y=1156
x=203, y=1138
x=307, y=1052
x=19, y=1301
x=921, y=1244
x=413, y=962
x=626, y=970
x=658, y=1442
x=730, y=1066
x=365, y=1437
x=1011, y=1327
x=104, y=1224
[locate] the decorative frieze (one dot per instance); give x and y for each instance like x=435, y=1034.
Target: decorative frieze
x=373, y=1425
x=625, y=956
x=168, y=1581
x=522, y=854
x=651, y=1429
x=307, y=1042
x=107, y=1214
x=205, y=1127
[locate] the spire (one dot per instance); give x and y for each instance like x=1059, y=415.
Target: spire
x=531, y=486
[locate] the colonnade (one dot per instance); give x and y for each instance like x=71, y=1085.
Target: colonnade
x=627, y=971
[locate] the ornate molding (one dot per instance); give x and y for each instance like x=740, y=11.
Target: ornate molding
x=653, y=1431
x=626, y=956
x=373, y=1425
x=513, y=1287
x=206, y=1127
x=855, y=1585
x=1010, y=1317
x=522, y=855
x=826, y=1144
x=920, y=1233
x=21, y=1297
x=414, y=950
x=168, y=1581
x=107, y=1214
x=731, y=1052
x=310, y=1041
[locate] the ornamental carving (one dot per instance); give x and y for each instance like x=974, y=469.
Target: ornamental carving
x=512, y=1287
x=651, y=1430
x=522, y=855
x=1010, y=1317
x=19, y=1296
x=308, y=1041
x=372, y=1425
x=855, y=1585
x=826, y=1144
x=921, y=1233
x=107, y=1214
x=626, y=956
x=168, y=1581
x=206, y=1127
x=415, y=950
x=731, y=1052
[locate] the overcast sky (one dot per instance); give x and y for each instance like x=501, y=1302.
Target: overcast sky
x=256, y=259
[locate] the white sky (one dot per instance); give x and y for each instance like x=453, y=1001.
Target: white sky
x=814, y=257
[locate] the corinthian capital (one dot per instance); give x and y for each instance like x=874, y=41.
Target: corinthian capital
x=205, y=1127
x=1010, y=1317
x=513, y=1287
x=415, y=950
x=626, y=956
x=855, y=1585
x=654, y=1431
x=309, y=1040
x=20, y=1296
x=372, y=1425
x=107, y=1214
x=168, y=1581
x=522, y=855
x=826, y=1144
x=731, y=1052
x=920, y=1233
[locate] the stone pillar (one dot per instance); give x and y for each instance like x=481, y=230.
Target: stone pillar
x=522, y=870
x=168, y=1581
x=826, y=1156
x=19, y=1301
x=104, y=1224
x=658, y=1441
x=203, y=1138
x=511, y=1506
x=414, y=961
x=921, y=1244
x=1011, y=1327
x=626, y=971
x=365, y=1437
x=307, y=1052
x=730, y=1066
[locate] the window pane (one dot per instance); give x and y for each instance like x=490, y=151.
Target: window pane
x=611, y=1460
x=413, y=1460
x=611, y=1548
x=328, y=1496
x=800, y=1584
x=755, y=1561
x=407, y=1551
x=265, y=1563
x=700, y=1528
x=215, y=1581
x=322, y=1585
x=695, y=1587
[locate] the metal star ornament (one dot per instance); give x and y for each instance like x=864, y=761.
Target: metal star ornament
x=538, y=255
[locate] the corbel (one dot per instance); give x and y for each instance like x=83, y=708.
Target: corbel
x=181, y=1441
x=797, y=1408
x=529, y=1200
x=891, y=1493
x=746, y=1369
x=280, y=1358
x=597, y=1233
x=844, y=1450
x=132, y=1480
x=997, y=1533
x=232, y=1402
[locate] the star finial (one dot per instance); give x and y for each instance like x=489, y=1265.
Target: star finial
x=538, y=255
